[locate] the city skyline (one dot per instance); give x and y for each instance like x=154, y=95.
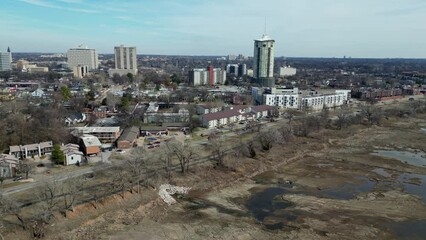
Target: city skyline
x=306, y=28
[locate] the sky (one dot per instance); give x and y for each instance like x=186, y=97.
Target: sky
x=301, y=28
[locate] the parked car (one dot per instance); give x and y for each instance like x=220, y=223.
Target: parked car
x=120, y=151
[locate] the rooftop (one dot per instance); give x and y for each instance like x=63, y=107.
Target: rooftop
x=265, y=37
x=30, y=147
x=91, y=141
x=97, y=129
x=130, y=134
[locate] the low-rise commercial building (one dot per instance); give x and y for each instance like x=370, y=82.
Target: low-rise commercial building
x=106, y=135
x=90, y=144
x=128, y=138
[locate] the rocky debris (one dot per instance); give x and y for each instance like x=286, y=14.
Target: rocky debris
x=166, y=191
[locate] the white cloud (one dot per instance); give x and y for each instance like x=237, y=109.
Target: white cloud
x=46, y=4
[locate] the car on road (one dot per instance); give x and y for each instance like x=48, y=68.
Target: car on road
x=17, y=178
x=120, y=151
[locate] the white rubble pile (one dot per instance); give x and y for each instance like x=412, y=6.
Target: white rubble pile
x=167, y=190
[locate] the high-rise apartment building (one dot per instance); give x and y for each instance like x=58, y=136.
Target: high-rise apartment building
x=263, y=61
x=5, y=60
x=210, y=76
x=125, y=61
x=238, y=70
x=82, y=56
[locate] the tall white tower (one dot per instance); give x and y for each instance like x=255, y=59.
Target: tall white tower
x=125, y=61
x=125, y=57
x=263, y=61
x=82, y=56
x=6, y=60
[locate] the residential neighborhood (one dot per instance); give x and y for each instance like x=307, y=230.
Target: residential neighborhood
x=238, y=120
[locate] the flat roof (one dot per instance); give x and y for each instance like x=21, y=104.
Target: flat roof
x=97, y=129
x=91, y=141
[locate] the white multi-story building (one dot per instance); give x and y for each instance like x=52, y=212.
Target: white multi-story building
x=82, y=56
x=291, y=98
x=282, y=100
x=278, y=97
x=263, y=61
x=5, y=60
x=198, y=76
x=125, y=61
x=319, y=102
x=287, y=71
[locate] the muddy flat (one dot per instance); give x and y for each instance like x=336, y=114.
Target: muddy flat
x=332, y=187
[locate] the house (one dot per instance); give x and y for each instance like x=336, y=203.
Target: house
x=8, y=165
x=128, y=138
x=91, y=144
x=75, y=118
x=100, y=112
x=31, y=150
x=38, y=93
x=72, y=154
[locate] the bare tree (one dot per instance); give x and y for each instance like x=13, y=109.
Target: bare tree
x=306, y=126
x=246, y=149
x=167, y=161
x=414, y=107
x=120, y=182
x=267, y=138
x=25, y=168
x=289, y=115
x=112, y=101
x=70, y=189
x=286, y=132
x=218, y=147
x=137, y=166
x=343, y=117
x=12, y=207
x=372, y=114
x=48, y=194
x=184, y=152
x=253, y=126
x=324, y=117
